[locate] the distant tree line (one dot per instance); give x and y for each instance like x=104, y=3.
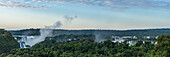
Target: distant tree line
x=142, y=32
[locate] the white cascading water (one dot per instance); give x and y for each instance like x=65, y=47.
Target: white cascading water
x=45, y=32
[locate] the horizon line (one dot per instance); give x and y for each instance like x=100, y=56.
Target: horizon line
x=90, y=29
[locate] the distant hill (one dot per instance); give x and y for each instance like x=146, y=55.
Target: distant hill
x=7, y=42
x=136, y=32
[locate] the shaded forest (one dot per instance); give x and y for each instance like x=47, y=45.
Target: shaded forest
x=7, y=42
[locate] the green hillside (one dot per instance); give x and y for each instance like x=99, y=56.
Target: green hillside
x=7, y=42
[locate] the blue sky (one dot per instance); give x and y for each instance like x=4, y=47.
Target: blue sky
x=91, y=14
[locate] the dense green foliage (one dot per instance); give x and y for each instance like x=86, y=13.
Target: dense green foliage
x=89, y=48
x=7, y=42
x=163, y=46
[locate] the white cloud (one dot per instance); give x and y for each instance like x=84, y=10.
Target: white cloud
x=123, y=4
x=12, y=4
x=117, y=3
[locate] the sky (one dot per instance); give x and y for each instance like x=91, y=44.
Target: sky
x=90, y=14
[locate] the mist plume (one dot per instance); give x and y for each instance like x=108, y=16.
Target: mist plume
x=69, y=19
x=47, y=30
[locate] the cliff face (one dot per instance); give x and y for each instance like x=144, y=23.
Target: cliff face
x=7, y=42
